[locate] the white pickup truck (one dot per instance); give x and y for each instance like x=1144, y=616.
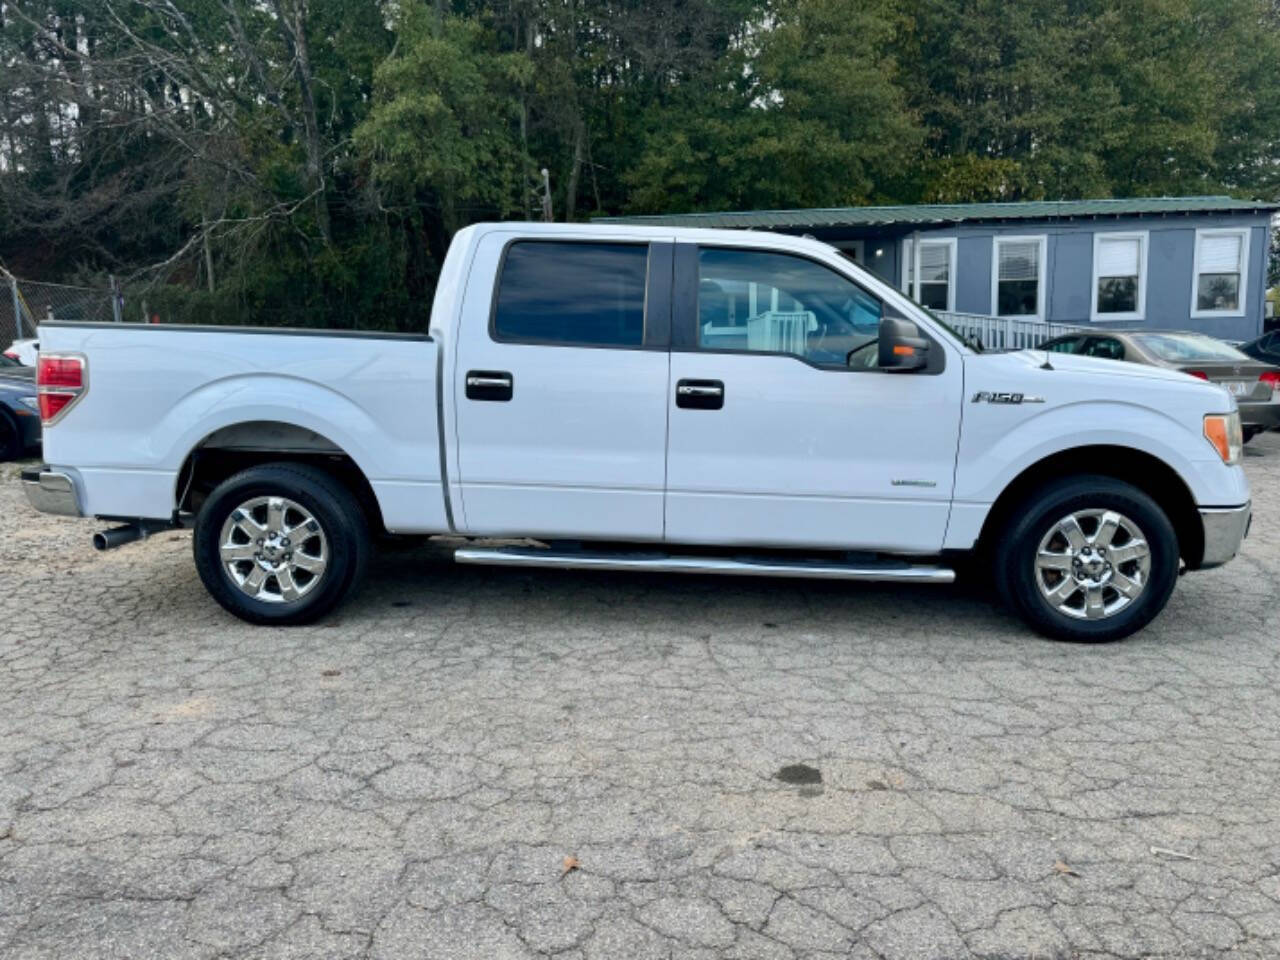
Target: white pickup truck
x=648, y=399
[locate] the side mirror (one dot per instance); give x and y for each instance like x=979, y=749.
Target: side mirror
x=902, y=349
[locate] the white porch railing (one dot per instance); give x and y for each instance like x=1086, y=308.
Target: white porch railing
x=1005, y=333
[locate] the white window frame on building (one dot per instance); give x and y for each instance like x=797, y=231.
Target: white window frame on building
x=1042, y=271
x=1242, y=290
x=1142, y=238
x=911, y=267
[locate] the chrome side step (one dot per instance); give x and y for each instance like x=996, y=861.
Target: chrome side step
x=887, y=571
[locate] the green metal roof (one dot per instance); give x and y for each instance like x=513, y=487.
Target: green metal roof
x=950, y=213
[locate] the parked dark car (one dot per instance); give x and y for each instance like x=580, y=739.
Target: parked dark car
x=1253, y=383
x=19, y=410
x=1266, y=348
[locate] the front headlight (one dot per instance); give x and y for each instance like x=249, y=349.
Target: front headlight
x=1224, y=434
x=32, y=402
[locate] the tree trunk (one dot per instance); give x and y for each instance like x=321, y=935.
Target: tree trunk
x=208, y=252
x=575, y=171
x=295, y=38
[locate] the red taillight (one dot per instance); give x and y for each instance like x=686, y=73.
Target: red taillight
x=1271, y=378
x=52, y=404
x=60, y=382
x=1197, y=373
x=55, y=371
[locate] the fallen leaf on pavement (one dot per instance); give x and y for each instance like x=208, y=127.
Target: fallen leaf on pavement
x=569, y=865
x=1063, y=869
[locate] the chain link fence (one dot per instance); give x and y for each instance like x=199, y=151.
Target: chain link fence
x=24, y=304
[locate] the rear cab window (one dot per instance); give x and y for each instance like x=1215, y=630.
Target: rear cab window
x=572, y=294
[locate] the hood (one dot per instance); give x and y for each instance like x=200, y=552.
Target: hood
x=1070, y=363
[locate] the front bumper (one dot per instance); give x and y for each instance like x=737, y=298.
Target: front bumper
x=1224, y=530
x=51, y=492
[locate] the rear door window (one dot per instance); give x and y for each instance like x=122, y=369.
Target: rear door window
x=567, y=293
x=1109, y=348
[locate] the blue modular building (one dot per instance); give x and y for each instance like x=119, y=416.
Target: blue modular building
x=1160, y=262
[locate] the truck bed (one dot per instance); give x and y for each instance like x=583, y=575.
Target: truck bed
x=156, y=393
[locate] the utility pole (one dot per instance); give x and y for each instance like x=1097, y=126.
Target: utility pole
x=117, y=300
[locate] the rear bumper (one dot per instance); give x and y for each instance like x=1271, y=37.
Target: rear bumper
x=1224, y=530
x=1263, y=415
x=50, y=491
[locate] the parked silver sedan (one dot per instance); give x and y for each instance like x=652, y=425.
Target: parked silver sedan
x=1254, y=384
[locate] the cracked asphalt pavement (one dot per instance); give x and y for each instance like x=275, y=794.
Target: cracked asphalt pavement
x=407, y=778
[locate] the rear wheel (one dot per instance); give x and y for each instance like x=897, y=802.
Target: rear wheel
x=281, y=543
x=1088, y=558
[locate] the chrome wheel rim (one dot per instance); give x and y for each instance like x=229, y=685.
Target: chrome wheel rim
x=1092, y=564
x=273, y=550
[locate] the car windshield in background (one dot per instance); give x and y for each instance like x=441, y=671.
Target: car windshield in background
x=8, y=361
x=1188, y=348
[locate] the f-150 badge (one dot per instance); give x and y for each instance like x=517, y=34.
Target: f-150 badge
x=997, y=396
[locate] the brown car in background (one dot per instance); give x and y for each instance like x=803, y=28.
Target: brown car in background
x=1254, y=384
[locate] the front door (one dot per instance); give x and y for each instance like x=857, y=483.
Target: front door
x=782, y=430
x=560, y=388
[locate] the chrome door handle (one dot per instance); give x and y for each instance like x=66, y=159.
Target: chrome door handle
x=489, y=385
x=700, y=394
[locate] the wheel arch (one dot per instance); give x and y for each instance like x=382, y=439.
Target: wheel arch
x=1145, y=471
x=237, y=446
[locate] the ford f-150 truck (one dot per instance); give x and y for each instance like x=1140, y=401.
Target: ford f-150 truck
x=645, y=399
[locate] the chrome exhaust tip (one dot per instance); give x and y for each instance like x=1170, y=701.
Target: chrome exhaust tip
x=117, y=536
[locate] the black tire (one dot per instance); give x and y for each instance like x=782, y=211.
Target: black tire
x=1015, y=555
x=10, y=439
x=343, y=532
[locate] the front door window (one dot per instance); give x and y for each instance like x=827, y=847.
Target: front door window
x=774, y=303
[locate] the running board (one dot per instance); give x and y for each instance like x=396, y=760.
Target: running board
x=886, y=571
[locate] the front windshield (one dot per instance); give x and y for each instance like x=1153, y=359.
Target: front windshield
x=8, y=361
x=1188, y=348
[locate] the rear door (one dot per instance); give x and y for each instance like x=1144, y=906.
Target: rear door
x=783, y=430
x=560, y=388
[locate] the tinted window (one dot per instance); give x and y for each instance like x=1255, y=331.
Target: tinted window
x=774, y=303
x=1065, y=345
x=1108, y=348
x=573, y=293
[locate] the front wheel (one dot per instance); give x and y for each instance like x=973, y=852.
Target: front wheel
x=280, y=543
x=1088, y=558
